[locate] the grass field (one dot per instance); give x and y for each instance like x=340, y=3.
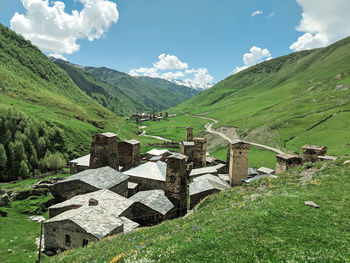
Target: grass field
x=17, y=232
x=266, y=221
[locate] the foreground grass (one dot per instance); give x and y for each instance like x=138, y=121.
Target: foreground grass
x=266, y=221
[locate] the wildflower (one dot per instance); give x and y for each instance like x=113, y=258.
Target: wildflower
x=116, y=258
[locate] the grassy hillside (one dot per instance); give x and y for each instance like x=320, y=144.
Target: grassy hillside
x=153, y=97
x=30, y=83
x=180, y=89
x=266, y=221
x=287, y=102
x=111, y=97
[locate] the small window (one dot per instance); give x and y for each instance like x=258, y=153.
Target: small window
x=155, y=217
x=67, y=240
x=85, y=242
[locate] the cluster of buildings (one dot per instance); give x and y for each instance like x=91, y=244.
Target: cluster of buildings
x=141, y=117
x=115, y=190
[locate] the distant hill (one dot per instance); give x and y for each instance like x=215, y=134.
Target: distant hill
x=301, y=98
x=180, y=89
x=31, y=84
x=111, y=97
x=155, y=97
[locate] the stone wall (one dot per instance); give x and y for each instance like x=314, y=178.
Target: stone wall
x=285, y=162
x=189, y=134
x=195, y=199
x=104, y=151
x=66, y=190
x=147, y=184
x=121, y=189
x=144, y=215
x=311, y=153
x=129, y=154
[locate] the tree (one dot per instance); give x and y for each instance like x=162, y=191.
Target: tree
x=3, y=157
x=56, y=161
x=24, y=170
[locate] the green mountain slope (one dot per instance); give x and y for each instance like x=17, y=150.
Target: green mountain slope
x=289, y=101
x=111, y=97
x=153, y=97
x=31, y=84
x=180, y=89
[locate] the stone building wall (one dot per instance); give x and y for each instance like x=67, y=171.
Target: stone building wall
x=129, y=154
x=238, y=168
x=55, y=235
x=144, y=215
x=285, y=162
x=176, y=183
x=66, y=190
x=121, y=189
x=104, y=151
x=188, y=150
x=145, y=184
x=56, y=211
x=195, y=199
x=199, y=152
x=189, y=134
x=311, y=153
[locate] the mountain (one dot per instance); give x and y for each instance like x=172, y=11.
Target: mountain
x=111, y=97
x=180, y=89
x=32, y=86
x=156, y=98
x=301, y=98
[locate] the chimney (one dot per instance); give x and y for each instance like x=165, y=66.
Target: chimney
x=104, y=151
x=238, y=168
x=93, y=202
x=176, y=183
x=129, y=154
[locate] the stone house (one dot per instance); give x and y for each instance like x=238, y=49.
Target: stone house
x=215, y=170
x=286, y=161
x=80, y=164
x=312, y=152
x=90, y=181
x=104, y=151
x=155, y=152
x=78, y=227
x=238, y=161
x=205, y=185
x=150, y=207
x=148, y=176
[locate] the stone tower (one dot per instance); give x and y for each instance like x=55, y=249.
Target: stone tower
x=199, y=152
x=129, y=154
x=176, y=183
x=238, y=161
x=189, y=134
x=104, y=151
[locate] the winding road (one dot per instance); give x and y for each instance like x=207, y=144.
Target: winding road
x=209, y=128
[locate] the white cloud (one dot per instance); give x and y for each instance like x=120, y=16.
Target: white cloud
x=255, y=56
x=271, y=15
x=58, y=56
x=171, y=68
x=53, y=30
x=323, y=22
x=167, y=61
x=257, y=12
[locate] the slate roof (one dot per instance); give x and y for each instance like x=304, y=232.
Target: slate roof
x=188, y=143
x=114, y=203
x=252, y=172
x=149, y=170
x=206, y=170
x=93, y=219
x=157, y=152
x=207, y=182
x=248, y=180
x=101, y=178
x=265, y=170
x=314, y=147
x=134, y=142
x=82, y=161
x=154, y=199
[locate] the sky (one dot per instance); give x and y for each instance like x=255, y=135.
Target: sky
x=193, y=42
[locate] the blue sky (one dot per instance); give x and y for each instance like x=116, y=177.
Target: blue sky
x=200, y=34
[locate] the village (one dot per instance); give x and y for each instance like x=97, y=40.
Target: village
x=115, y=189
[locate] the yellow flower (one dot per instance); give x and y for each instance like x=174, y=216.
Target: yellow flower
x=142, y=243
x=116, y=258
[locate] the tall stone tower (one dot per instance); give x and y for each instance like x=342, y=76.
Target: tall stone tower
x=104, y=151
x=238, y=161
x=129, y=154
x=189, y=134
x=199, y=152
x=176, y=183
